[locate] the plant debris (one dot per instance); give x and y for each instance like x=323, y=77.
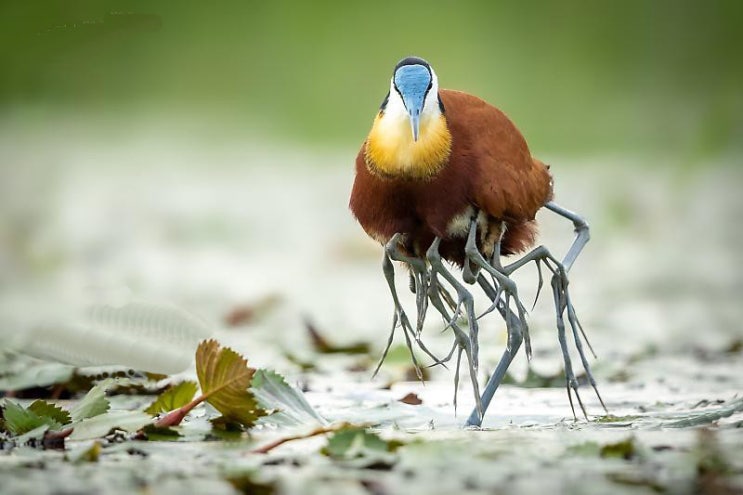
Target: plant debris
x=323, y=346
x=411, y=398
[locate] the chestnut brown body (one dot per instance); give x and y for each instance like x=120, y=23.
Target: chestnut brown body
x=489, y=172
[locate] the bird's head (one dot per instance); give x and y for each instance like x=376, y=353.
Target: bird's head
x=414, y=90
x=410, y=136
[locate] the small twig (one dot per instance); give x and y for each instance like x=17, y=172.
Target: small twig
x=316, y=432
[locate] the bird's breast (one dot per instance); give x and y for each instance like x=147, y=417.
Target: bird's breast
x=392, y=152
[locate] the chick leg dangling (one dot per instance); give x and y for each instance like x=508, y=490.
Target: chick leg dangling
x=420, y=275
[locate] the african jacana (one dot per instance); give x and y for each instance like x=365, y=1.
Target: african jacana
x=443, y=175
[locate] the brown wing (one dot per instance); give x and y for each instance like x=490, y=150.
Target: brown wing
x=505, y=180
x=508, y=183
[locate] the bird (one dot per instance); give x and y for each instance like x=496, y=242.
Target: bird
x=444, y=176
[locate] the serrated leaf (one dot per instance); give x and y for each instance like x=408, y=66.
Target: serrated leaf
x=45, y=409
x=174, y=397
x=292, y=409
x=19, y=420
x=224, y=377
x=93, y=404
x=352, y=442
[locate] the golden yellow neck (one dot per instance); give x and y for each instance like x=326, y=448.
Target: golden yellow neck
x=391, y=151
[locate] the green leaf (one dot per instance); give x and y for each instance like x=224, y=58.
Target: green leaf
x=154, y=434
x=45, y=409
x=290, y=405
x=361, y=448
x=250, y=483
x=93, y=404
x=88, y=453
x=174, y=397
x=537, y=380
x=626, y=449
x=622, y=420
x=224, y=377
x=323, y=346
x=19, y=420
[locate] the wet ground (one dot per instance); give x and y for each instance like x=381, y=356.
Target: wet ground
x=258, y=242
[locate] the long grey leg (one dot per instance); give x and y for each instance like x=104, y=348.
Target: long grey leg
x=562, y=298
x=464, y=299
x=515, y=337
x=461, y=340
x=582, y=233
x=507, y=286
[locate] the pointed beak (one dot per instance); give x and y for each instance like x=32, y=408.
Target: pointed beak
x=415, y=122
x=414, y=104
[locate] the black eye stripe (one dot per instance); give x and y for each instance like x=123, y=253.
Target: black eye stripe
x=384, y=103
x=397, y=90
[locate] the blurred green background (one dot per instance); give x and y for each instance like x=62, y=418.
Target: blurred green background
x=634, y=76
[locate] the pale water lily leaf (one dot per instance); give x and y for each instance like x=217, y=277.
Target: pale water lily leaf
x=100, y=425
x=93, y=404
x=289, y=404
x=706, y=417
x=174, y=397
x=19, y=372
x=35, y=434
x=224, y=377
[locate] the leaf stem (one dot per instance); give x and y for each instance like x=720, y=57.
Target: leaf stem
x=281, y=441
x=174, y=417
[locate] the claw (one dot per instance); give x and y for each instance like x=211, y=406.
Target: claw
x=496, y=299
x=575, y=325
x=456, y=378
x=387, y=347
x=421, y=301
x=570, y=399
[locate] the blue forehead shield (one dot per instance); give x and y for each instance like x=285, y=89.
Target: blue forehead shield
x=413, y=81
